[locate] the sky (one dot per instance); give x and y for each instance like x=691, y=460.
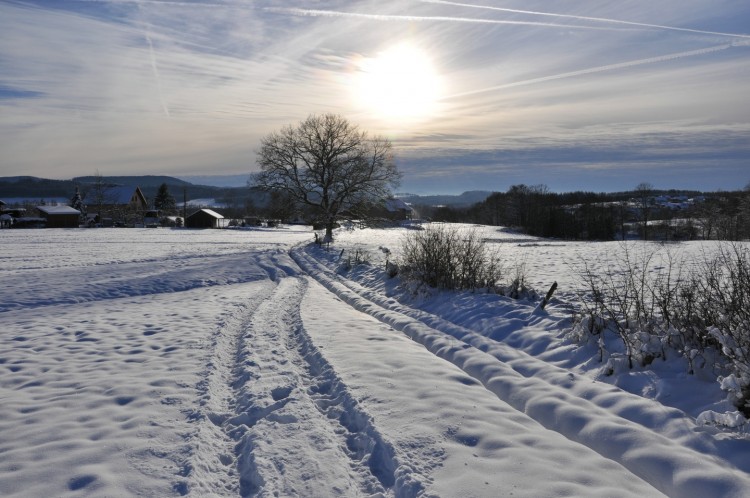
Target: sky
x=477, y=95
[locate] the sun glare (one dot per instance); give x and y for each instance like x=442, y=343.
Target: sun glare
x=399, y=83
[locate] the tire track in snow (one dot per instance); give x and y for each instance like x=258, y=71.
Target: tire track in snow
x=673, y=468
x=291, y=425
x=211, y=469
x=303, y=434
x=127, y=280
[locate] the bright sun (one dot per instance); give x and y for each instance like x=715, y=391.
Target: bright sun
x=399, y=83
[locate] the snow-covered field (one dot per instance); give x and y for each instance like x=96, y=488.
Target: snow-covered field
x=156, y=362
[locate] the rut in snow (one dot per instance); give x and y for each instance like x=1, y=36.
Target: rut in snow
x=211, y=469
x=304, y=435
x=291, y=425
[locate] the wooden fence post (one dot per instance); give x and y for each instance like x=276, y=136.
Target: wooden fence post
x=546, y=299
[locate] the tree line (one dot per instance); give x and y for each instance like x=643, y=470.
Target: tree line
x=534, y=210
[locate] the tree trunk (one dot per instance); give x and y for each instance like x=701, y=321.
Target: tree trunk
x=329, y=231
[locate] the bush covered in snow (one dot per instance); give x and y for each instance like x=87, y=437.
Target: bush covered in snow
x=700, y=310
x=354, y=257
x=444, y=257
x=449, y=258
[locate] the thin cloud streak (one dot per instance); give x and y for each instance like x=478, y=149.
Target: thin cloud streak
x=601, y=69
x=585, y=18
x=158, y=2
x=155, y=68
x=392, y=17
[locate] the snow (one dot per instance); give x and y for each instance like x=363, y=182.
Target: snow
x=158, y=362
x=58, y=210
x=210, y=213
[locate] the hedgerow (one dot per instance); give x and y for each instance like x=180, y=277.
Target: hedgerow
x=700, y=310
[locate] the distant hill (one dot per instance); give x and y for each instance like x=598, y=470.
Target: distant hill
x=18, y=179
x=139, y=181
x=30, y=187
x=218, y=180
x=149, y=185
x=465, y=199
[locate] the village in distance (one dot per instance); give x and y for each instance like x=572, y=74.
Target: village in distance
x=162, y=201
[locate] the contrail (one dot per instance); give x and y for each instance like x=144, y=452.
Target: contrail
x=162, y=2
x=585, y=18
x=155, y=68
x=156, y=75
x=601, y=69
x=389, y=17
x=311, y=12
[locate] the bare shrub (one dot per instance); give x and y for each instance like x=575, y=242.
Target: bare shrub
x=518, y=288
x=701, y=312
x=724, y=304
x=621, y=301
x=449, y=258
x=354, y=257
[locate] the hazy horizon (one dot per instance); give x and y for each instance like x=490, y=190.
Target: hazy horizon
x=239, y=181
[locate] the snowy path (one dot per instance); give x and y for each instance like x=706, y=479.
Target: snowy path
x=298, y=431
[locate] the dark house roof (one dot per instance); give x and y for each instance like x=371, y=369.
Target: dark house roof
x=209, y=212
x=394, y=205
x=203, y=218
x=121, y=195
x=58, y=210
x=59, y=216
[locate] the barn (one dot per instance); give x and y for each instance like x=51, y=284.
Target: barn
x=398, y=210
x=204, y=218
x=59, y=216
x=6, y=220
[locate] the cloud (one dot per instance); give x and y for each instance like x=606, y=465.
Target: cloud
x=667, y=160
x=413, y=18
x=608, y=67
x=189, y=87
x=587, y=18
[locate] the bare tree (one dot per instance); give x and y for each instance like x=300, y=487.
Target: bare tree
x=328, y=164
x=643, y=191
x=95, y=194
x=744, y=213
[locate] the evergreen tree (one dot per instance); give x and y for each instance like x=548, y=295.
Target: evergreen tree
x=77, y=202
x=164, y=201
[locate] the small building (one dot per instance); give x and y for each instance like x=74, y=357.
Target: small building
x=253, y=221
x=117, y=205
x=152, y=218
x=126, y=196
x=6, y=220
x=29, y=222
x=398, y=210
x=59, y=216
x=9, y=216
x=204, y=218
